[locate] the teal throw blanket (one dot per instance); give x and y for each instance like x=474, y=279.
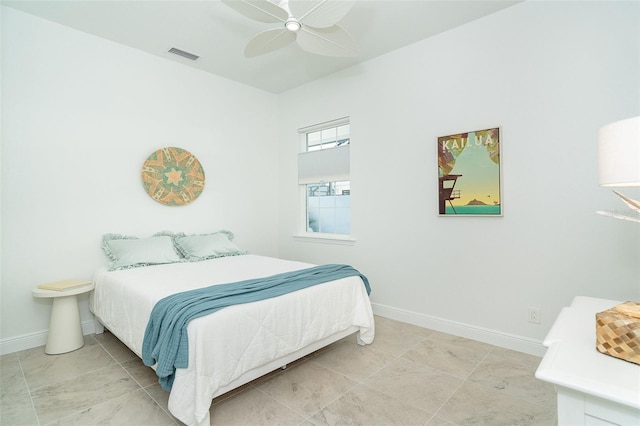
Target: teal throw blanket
x=165, y=339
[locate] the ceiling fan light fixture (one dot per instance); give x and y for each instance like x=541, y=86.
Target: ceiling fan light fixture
x=313, y=24
x=293, y=25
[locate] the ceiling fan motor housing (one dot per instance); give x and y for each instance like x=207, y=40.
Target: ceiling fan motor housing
x=293, y=24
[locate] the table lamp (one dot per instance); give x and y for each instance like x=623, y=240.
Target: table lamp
x=619, y=161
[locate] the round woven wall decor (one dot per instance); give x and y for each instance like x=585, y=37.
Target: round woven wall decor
x=173, y=176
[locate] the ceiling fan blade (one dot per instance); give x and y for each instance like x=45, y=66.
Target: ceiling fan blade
x=332, y=41
x=259, y=10
x=320, y=13
x=268, y=41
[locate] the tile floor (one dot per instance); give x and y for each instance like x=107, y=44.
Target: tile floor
x=408, y=376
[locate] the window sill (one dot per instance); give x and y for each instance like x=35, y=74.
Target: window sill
x=325, y=238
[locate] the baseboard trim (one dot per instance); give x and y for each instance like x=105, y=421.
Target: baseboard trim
x=33, y=340
x=493, y=337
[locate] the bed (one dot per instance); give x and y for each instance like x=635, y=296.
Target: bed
x=237, y=344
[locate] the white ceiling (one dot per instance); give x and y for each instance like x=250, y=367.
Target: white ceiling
x=218, y=34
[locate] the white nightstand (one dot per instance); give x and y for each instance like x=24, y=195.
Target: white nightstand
x=65, y=330
x=593, y=388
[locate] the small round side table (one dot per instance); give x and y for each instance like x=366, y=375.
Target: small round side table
x=65, y=330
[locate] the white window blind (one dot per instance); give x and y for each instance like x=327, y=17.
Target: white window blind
x=325, y=165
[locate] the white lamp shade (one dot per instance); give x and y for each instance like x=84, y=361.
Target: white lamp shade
x=619, y=153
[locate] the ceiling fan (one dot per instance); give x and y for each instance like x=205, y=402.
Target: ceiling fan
x=312, y=23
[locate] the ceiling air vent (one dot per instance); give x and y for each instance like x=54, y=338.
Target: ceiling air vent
x=183, y=54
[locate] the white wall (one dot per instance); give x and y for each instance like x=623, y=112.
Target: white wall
x=80, y=115
x=549, y=74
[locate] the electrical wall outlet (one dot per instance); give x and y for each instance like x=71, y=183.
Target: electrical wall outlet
x=534, y=315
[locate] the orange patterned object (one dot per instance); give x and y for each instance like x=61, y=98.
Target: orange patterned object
x=618, y=332
x=173, y=176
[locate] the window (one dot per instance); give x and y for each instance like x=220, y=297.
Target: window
x=323, y=169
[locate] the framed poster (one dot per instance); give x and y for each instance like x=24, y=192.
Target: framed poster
x=469, y=174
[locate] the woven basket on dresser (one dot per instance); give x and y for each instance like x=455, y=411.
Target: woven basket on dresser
x=618, y=332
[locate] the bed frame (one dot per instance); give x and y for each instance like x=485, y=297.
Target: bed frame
x=281, y=362
x=191, y=399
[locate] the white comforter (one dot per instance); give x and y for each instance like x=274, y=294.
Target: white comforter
x=232, y=341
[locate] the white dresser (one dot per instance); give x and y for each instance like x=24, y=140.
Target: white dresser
x=593, y=388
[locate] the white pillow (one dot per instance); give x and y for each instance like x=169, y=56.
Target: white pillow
x=130, y=252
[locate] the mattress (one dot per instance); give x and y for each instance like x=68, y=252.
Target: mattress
x=227, y=344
